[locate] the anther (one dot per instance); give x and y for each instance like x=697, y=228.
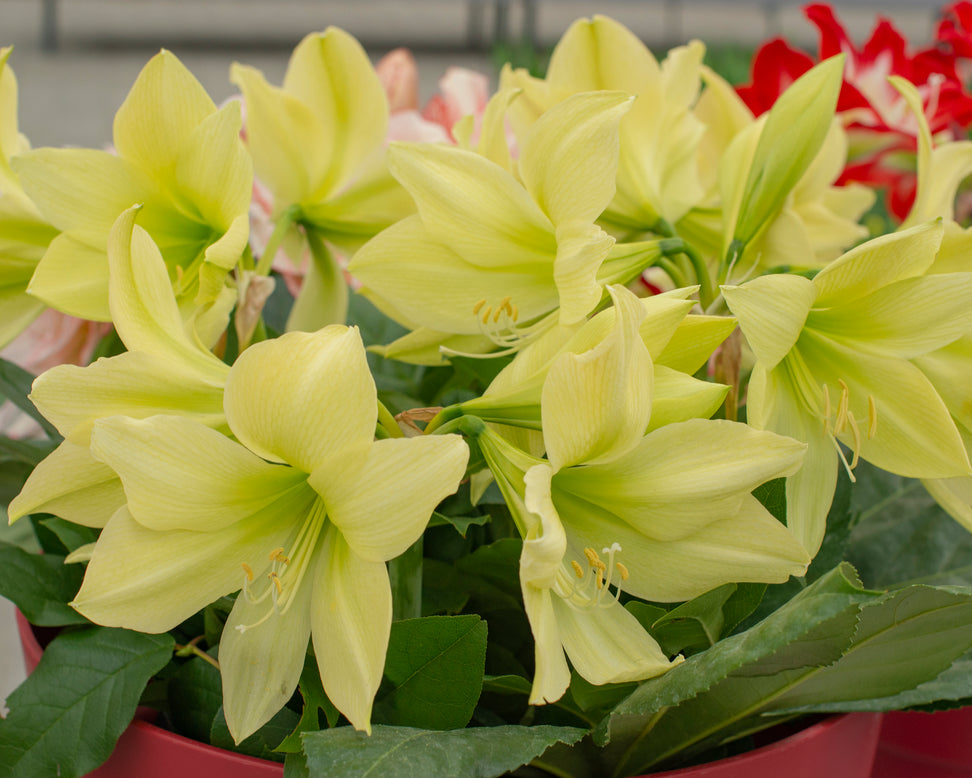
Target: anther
x=478, y=306
x=488, y=310
x=276, y=553
x=578, y=570
x=276, y=582
x=248, y=570
x=871, y=417
x=591, y=555
x=622, y=570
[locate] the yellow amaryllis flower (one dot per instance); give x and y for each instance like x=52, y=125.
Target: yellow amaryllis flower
x=834, y=361
x=658, y=173
x=665, y=516
x=166, y=369
x=177, y=155
x=24, y=234
x=509, y=259
x=302, y=512
x=318, y=143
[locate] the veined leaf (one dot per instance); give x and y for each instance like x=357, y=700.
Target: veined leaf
x=40, y=585
x=434, y=672
x=403, y=752
x=65, y=718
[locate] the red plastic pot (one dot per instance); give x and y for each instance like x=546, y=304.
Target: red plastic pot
x=837, y=747
x=925, y=745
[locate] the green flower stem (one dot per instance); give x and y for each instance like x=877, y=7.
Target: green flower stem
x=673, y=270
x=452, y=413
x=284, y=223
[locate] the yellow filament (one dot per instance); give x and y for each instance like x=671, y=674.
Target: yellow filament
x=248, y=570
x=622, y=570
x=827, y=409
x=276, y=582
x=871, y=417
x=578, y=570
x=856, y=432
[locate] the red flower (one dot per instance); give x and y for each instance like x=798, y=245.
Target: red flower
x=881, y=126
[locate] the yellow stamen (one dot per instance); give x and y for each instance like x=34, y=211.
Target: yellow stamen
x=827, y=409
x=276, y=553
x=275, y=579
x=479, y=305
x=488, y=310
x=578, y=570
x=514, y=312
x=871, y=417
x=248, y=570
x=856, y=432
x=842, y=407
x=599, y=579
x=592, y=558
x=623, y=570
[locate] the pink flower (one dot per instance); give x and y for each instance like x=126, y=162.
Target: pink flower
x=52, y=339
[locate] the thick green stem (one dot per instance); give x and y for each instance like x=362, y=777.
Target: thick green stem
x=388, y=423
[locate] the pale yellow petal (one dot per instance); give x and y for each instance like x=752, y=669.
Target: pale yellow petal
x=386, y=505
x=72, y=484
x=73, y=278
x=303, y=398
x=162, y=109
x=351, y=614
x=218, y=482
x=569, y=160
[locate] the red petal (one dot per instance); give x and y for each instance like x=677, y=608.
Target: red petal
x=775, y=66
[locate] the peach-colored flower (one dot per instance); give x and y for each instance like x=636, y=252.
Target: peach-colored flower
x=399, y=76
x=54, y=338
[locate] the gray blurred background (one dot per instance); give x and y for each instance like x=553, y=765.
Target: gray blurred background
x=76, y=59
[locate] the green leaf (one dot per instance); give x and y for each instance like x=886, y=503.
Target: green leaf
x=908, y=638
x=903, y=536
x=72, y=536
x=507, y=684
x=700, y=701
x=13, y=474
x=433, y=673
x=461, y=523
x=442, y=590
x=195, y=696
x=772, y=495
x=403, y=752
x=40, y=586
x=65, y=718
x=28, y=452
x=694, y=625
x=315, y=702
x=15, y=386
x=262, y=743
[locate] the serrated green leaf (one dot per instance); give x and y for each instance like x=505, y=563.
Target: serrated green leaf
x=15, y=386
x=65, y=718
x=40, y=586
x=908, y=638
x=433, y=672
x=195, y=696
x=403, y=752
x=712, y=694
x=262, y=743
x=295, y=766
